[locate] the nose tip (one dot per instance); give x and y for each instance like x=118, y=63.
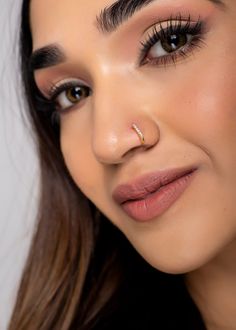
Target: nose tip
x=113, y=145
x=107, y=148
x=112, y=148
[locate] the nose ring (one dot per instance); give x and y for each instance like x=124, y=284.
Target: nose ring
x=139, y=133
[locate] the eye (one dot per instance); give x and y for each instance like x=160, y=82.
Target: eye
x=66, y=95
x=177, y=39
x=168, y=45
x=72, y=96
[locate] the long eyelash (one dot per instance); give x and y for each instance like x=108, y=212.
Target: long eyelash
x=48, y=105
x=45, y=107
x=177, y=25
x=55, y=90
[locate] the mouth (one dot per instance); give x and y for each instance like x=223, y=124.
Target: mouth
x=151, y=195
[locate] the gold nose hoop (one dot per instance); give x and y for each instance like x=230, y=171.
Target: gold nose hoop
x=139, y=133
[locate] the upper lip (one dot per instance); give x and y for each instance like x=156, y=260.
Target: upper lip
x=147, y=184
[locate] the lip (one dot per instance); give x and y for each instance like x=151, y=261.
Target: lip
x=151, y=195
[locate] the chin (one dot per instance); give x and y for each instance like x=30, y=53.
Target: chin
x=187, y=244
x=175, y=265
x=180, y=259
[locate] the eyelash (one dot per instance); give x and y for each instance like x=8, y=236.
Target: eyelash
x=174, y=26
x=62, y=87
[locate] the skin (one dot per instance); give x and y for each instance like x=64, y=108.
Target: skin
x=187, y=113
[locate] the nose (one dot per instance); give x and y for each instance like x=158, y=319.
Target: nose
x=122, y=126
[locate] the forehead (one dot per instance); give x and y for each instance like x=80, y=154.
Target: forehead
x=57, y=16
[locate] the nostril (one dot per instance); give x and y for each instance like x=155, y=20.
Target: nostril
x=114, y=142
x=135, y=150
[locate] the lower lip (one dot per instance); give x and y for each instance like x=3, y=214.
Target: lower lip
x=156, y=203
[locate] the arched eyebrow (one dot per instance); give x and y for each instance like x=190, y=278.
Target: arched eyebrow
x=107, y=21
x=115, y=15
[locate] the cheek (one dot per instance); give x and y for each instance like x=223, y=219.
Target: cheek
x=87, y=173
x=203, y=109
x=203, y=96
x=77, y=153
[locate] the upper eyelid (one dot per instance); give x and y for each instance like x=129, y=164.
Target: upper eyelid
x=178, y=21
x=56, y=88
x=50, y=90
x=178, y=24
x=179, y=18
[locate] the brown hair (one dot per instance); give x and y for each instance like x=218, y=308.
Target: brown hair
x=57, y=272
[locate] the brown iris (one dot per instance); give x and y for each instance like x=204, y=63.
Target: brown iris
x=174, y=42
x=76, y=94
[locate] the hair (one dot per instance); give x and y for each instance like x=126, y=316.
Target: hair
x=81, y=272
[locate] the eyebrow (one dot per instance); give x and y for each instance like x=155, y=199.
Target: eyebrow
x=115, y=15
x=45, y=57
x=107, y=21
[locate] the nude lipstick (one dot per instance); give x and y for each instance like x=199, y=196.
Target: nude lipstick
x=151, y=195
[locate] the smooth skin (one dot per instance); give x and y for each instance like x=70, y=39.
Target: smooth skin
x=187, y=113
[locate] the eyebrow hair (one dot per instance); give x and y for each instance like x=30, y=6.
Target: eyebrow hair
x=113, y=16
x=45, y=57
x=108, y=21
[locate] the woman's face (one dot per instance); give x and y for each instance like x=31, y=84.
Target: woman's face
x=168, y=66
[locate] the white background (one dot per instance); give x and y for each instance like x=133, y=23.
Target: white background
x=18, y=166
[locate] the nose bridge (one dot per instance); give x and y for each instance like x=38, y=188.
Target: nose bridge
x=116, y=107
x=111, y=101
x=111, y=118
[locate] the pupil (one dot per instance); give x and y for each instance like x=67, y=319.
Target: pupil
x=174, y=41
x=76, y=93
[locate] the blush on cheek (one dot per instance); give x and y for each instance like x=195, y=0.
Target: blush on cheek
x=203, y=109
